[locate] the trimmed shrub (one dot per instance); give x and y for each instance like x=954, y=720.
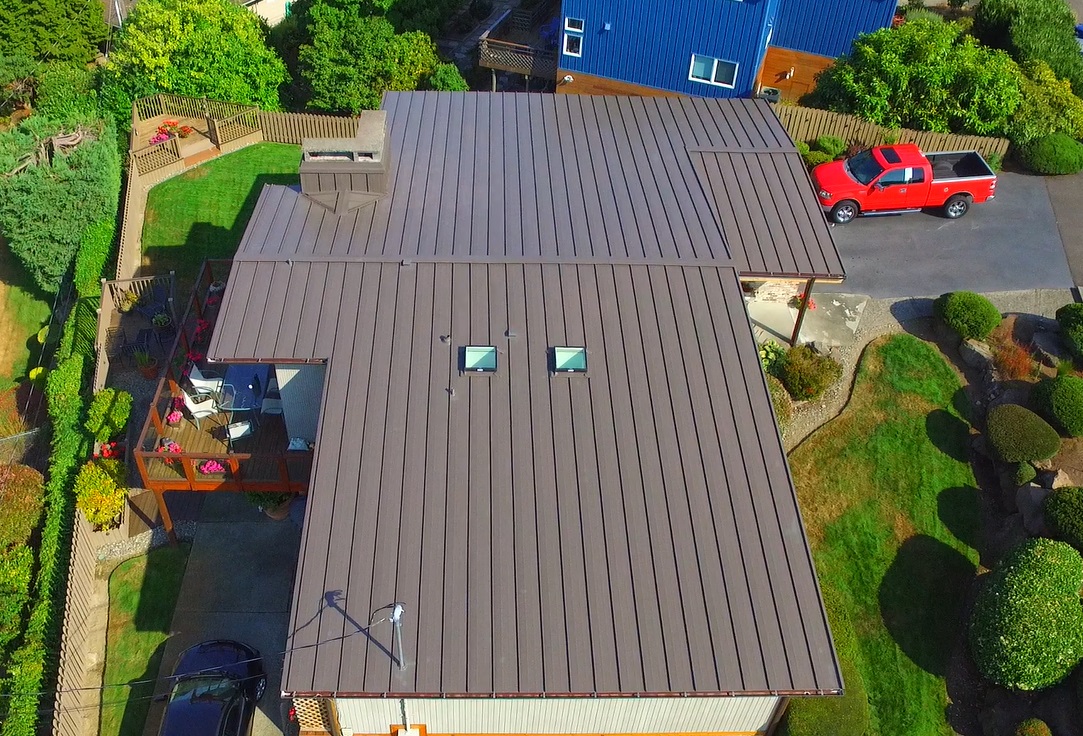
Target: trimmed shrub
x=1057, y=153
x=100, y=491
x=1060, y=401
x=1026, y=632
x=21, y=501
x=1018, y=435
x=1070, y=319
x=781, y=400
x=815, y=158
x=913, y=14
x=1033, y=727
x=94, y=252
x=1064, y=514
x=1024, y=473
x=971, y=315
x=803, y=148
x=832, y=145
x=108, y=414
x=807, y=374
x=16, y=572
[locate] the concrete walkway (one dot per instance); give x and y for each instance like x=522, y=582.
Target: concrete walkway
x=238, y=585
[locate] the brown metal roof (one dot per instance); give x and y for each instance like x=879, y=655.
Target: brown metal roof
x=571, y=177
x=631, y=530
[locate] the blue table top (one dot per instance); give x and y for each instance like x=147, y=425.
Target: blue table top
x=238, y=389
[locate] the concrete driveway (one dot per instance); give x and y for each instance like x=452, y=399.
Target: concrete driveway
x=237, y=585
x=1009, y=244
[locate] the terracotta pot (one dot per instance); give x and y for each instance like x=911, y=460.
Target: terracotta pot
x=279, y=512
x=150, y=372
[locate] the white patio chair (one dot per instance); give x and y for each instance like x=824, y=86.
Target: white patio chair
x=205, y=383
x=206, y=406
x=236, y=431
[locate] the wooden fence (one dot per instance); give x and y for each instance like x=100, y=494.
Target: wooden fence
x=807, y=124
x=78, y=701
x=293, y=127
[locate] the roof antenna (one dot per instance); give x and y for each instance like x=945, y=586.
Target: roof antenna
x=397, y=609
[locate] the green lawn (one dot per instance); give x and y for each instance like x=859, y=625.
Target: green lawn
x=891, y=508
x=23, y=311
x=142, y=594
x=202, y=213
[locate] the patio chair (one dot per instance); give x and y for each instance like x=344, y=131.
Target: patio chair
x=116, y=343
x=271, y=405
x=205, y=406
x=205, y=383
x=236, y=431
x=152, y=304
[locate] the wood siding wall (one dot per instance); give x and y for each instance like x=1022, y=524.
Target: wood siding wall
x=806, y=124
x=78, y=702
x=777, y=64
x=706, y=715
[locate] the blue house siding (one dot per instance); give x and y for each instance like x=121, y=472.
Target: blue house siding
x=828, y=27
x=651, y=42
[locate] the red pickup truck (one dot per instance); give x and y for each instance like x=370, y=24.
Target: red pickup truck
x=900, y=178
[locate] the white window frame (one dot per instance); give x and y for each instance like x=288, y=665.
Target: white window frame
x=568, y=25
x=714, y=68
x=568, y=52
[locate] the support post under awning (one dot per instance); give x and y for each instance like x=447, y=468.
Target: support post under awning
x=801, y=312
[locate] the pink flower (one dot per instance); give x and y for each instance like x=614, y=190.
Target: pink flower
x=173, y=417
x=211, y=466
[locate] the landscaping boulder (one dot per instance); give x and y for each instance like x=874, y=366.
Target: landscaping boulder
x=1030, y=499
x=1053, y=479
x=1049, y=348
x=1009, y=395
x=976, y=354
x=1037, y=322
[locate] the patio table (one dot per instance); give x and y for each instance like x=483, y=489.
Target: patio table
x=240, y=382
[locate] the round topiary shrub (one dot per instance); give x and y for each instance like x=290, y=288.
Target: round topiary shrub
x=22, y=497
x=1026, y=632
x=1018, y=435
x=806, y=374
x=1024, y=473
x=781, y=401
x=1064, y=514
x=1070, y=318
x=971, y=315
x=1057, y=153
x=815, y=158
x=100, y=493
x=1033, y=727
x=1060, y=400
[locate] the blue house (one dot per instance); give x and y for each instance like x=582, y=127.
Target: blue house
x=706, y=48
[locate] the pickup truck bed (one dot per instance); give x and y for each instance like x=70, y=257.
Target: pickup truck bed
x=958, y=165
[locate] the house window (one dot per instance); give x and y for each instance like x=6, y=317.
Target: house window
x=575, y=25
x=710, y=70
x=573, y=44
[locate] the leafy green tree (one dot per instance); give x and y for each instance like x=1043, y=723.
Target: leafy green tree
x=1033, y=30
x=923, y=75
x=201, y=48
x=1048, y=106
x=59, y=30
x=347, y=61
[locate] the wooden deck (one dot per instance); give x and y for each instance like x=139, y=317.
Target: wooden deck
x=144, y=515
x=264, y=446
x=197, y=142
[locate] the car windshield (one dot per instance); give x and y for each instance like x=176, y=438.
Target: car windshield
x=201, y=689
x=863, y=167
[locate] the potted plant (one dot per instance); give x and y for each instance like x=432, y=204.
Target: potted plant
x=216, y=288
x=161, y=321
x=126, y=301
x=146, y=363
x=173, y=418
x=275, y=505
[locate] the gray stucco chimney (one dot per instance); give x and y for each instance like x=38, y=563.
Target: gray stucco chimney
x=343, y=173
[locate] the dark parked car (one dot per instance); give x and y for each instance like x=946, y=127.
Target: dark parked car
x=216, y=685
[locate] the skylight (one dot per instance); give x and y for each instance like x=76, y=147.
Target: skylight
x=569, y=359
x=479, y=359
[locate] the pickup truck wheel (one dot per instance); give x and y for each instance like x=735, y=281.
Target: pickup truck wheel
x=956, y=206
x=844, y=211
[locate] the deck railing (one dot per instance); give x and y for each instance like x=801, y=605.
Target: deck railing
x=494, y=52
x=111, y=293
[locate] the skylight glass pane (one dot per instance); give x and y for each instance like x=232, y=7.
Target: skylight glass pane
x=573, y=360
x=479, y=358
x=701, y=67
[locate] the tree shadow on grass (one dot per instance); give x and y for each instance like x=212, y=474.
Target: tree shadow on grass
x=921, y=599
x=949, y=434
x=959, y=509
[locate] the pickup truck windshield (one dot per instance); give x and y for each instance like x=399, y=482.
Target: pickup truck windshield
x=863, y=167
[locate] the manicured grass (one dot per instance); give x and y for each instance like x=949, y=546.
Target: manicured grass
x=142, y=595
x=202, y=213
x=23, y=311
x=891, y=508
